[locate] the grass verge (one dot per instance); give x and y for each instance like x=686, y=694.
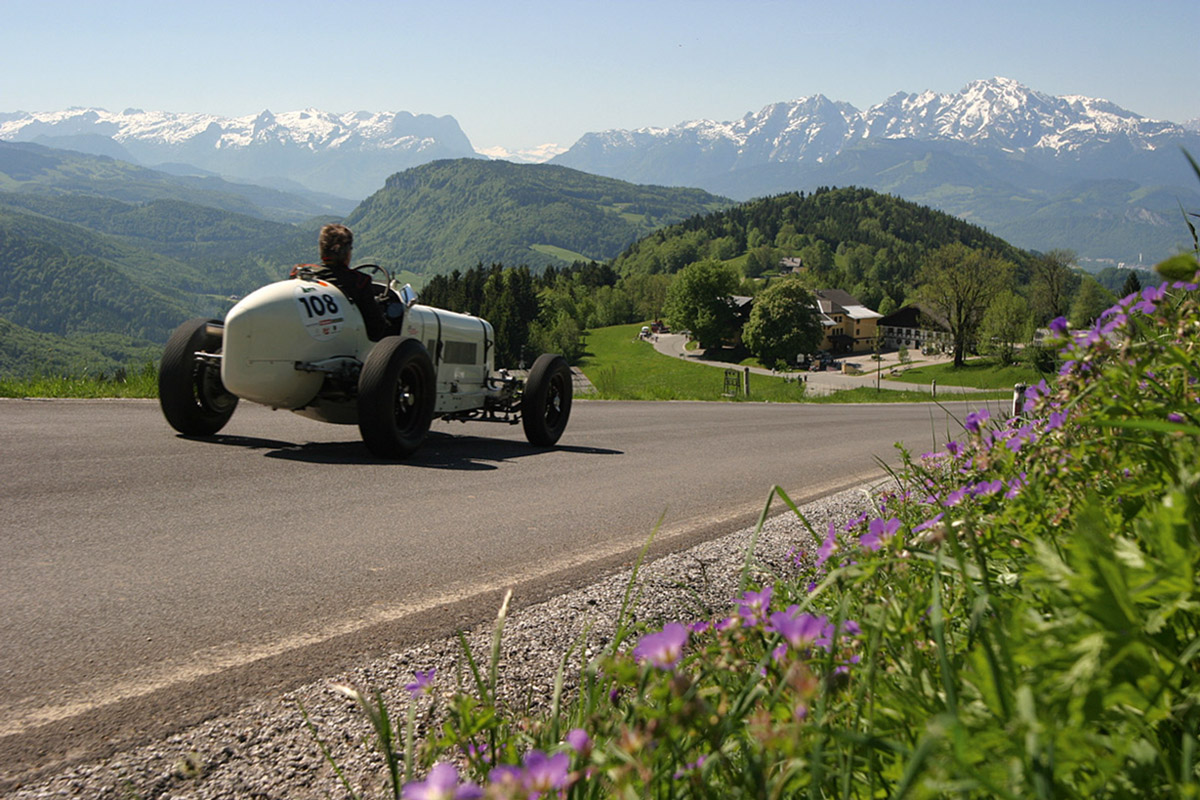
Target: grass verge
x=142, y=384
x=1018, y=616
x=977, y=373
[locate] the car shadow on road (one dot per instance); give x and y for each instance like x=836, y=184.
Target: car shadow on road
x=440, y=451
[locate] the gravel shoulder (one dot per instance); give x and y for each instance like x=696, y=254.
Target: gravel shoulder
x=265, y=750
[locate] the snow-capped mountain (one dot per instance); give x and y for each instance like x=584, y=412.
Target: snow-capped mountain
x=1000, y=112
x=532, y=155
x=1042, y=171
x=345, y=154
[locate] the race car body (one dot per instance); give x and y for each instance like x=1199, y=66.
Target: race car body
x=301, y=345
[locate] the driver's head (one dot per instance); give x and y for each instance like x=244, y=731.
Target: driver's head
x=335, y=245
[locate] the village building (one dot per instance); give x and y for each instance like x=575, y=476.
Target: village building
x=850, y=327
x=914, y=328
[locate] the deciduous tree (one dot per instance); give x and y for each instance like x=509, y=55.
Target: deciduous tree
x=958, y=284
x=783, y=323
x=1052, y=284
x=700, y=300
x=1005, y=325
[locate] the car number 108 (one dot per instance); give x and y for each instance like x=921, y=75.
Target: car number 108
x=317, y=305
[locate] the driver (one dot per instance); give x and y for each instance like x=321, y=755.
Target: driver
x=335, y=243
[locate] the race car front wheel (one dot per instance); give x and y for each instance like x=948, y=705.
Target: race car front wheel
x=190, y=392
x=396, y=395
x=546, y=401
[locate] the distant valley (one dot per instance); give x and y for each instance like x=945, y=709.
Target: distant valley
x=114, y=256
x=116, y=226
x=1043, y=172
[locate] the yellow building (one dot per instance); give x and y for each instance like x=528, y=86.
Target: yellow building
x=850, y=327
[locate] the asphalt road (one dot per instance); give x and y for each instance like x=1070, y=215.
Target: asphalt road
x=148, y=581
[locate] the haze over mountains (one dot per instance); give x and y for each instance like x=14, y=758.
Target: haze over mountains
x=1042, y=171
x=348, y=155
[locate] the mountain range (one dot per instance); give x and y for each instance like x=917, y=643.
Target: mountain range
x=347, y=155
x=1042, y=171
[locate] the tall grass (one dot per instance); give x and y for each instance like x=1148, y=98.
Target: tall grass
x=142, y=383
x=1018, y=617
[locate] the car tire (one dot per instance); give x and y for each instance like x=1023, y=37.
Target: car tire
x=546, y=401
x=396, y=395
x=190, y=392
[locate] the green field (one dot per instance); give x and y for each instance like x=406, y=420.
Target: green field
x=623, y=367
x=977, y=373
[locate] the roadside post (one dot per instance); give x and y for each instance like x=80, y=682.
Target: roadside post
x=1018, y=394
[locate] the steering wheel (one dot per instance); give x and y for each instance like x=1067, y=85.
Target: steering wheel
x=387, y=276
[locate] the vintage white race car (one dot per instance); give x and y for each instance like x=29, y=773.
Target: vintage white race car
x=301, y=345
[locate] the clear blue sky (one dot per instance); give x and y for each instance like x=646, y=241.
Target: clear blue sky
x=520, y=74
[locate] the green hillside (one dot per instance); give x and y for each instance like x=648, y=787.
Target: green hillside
x=454, y=214
x=34, y=169
x=867, y=243
x=217, y=251
x=25, y=353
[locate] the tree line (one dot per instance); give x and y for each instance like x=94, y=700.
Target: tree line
x=886, y=252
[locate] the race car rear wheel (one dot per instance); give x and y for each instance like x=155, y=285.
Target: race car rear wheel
x=396, y=395
x=190, y=392
x=546, y=401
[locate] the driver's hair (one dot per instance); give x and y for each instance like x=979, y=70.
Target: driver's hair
x=335, y=244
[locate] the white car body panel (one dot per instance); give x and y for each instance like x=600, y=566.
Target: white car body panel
x=274, y=330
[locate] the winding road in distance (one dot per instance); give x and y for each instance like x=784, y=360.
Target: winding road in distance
x=149, y=581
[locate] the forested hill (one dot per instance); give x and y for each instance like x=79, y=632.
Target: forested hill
x=453, y=214
x=34, y=169
x=868, y=243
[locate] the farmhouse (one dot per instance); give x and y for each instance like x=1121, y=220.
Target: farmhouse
x=913, y=327
x=850, y=327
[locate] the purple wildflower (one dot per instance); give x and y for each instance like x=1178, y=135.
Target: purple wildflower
x=505, y=775
x=545, y=773
x=854, y=523
x=578, y=740
x=976, y=419
x=423, y=684
x=952, y=447
x=441, y=784
x=828, y=547
x=753, y=607
x=877, y=531
x=663, y=649
x=1059, y=326
x=986, y=488
x=1116, y=322
x=955, y=497
x=1056, y=420
x=929, y=523
x=1020, y=437
x=1175, y=417
x=800, y=630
